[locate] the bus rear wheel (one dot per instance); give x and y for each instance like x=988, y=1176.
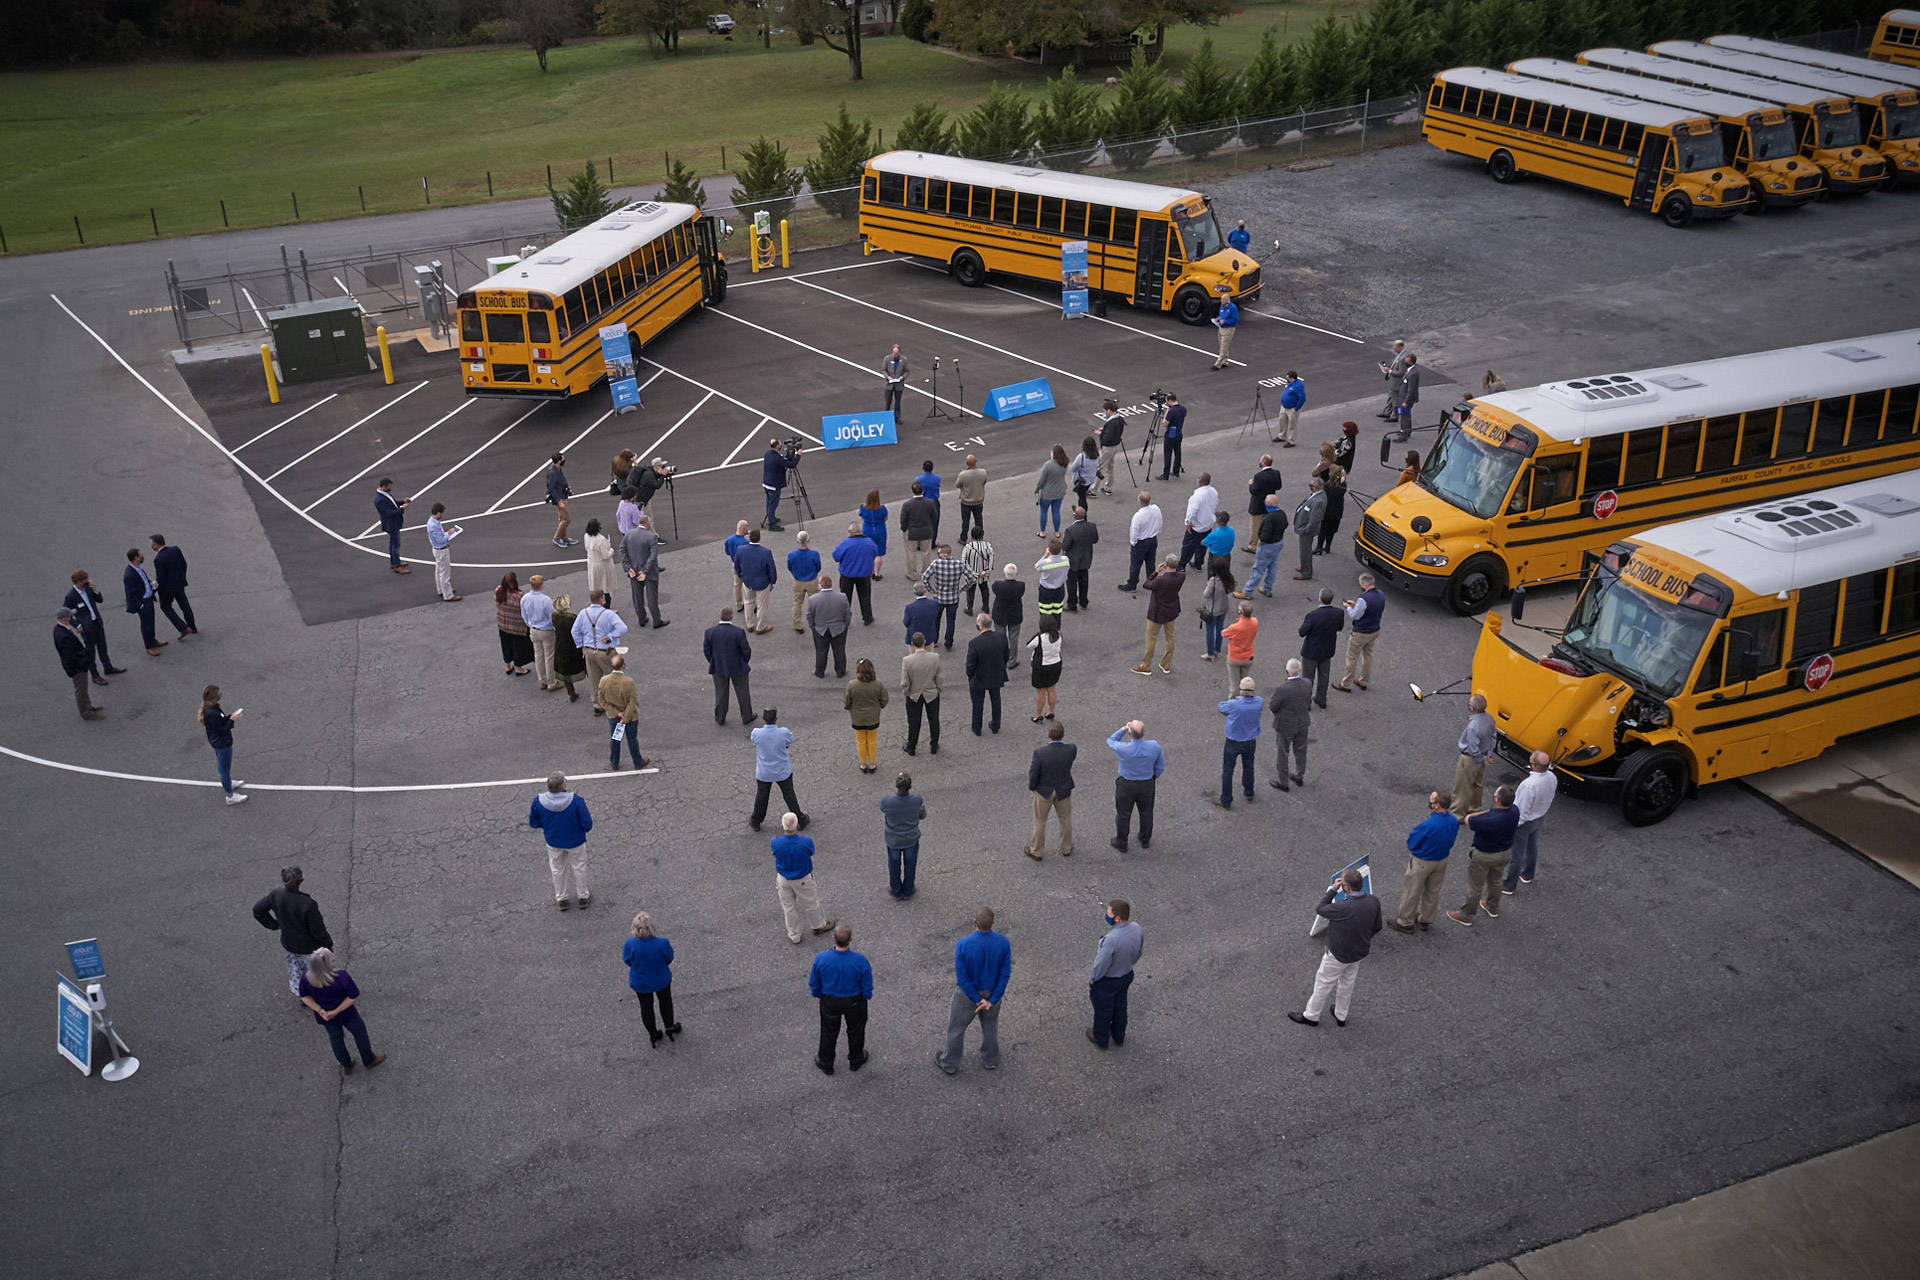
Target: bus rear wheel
x=1677, y=211
x=1654, y=783
x=1501, y=168
x=968, y=269
x=1475, y=586
x=1190, y=304
x=719, y=288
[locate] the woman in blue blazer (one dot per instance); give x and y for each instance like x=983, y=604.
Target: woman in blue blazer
x=649, y=961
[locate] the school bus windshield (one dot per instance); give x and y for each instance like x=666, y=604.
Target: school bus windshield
x=1774, y=141
x=1840, y=130
x=1199, y=233
x=1469, y=473
x=1618, y=626
x=1700, y=151
x=1902, y=121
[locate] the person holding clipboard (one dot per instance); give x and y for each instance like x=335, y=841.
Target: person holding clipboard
x=1226, y=321
x=440, y=538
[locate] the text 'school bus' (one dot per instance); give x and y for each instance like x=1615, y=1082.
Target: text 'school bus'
x=1898, y=38
x=1539, y=476
x=1158, y=247
x=1656, y=158
x=1757, y=135
x=533, y=331
x=1721, y=646
x=1831, y=134
x=1889, y=108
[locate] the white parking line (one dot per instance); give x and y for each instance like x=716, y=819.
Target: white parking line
x=851, y=266
x=428, y=487
x=751, y=433
x=765, y=418
x=1304, y=325
x=543, y=466
x=951, y=334
x=291, y=786
x=276, y=426
x=652, y=450
x=370, y=417
x=464, y=405
x=838, y=359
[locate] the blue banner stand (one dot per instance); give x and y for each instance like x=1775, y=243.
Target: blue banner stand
x=859, y=430
x=616, y=348
x=1018, y=399
x=74, y=1025
x=1073, y=278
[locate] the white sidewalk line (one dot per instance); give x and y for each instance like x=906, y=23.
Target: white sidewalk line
x=851, y=266
x=543, y=466
x=276, y=426
x=464, y=405
x=1038, y=364
x=334, y=787
x=369, y=418
x=765, y=418
x=1304, y=325
x=426, y=488
x=839, y=360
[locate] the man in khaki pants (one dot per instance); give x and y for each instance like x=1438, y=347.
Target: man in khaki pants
x=803, y=566
x=1476, y=752
x=536, y=610
x=793, y=880
x=1364, y=612
x=597, y=630
x=1428, y=845
x=1163, y=586
x=1050, y=778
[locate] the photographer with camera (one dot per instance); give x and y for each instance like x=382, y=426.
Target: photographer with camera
x=774, y=466
x=1175, y=432
x=648, y=480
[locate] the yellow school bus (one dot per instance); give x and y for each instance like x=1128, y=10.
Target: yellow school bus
x=1664, y=160
x=1721, y=646
x=1756, y=135
x=533, y=331
x=1888, y=97
x=1158, y=248
x=1831, y=133
x=1897, y=39
x=1539, y=476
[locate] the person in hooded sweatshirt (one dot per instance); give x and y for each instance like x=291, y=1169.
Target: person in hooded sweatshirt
x=563, y=818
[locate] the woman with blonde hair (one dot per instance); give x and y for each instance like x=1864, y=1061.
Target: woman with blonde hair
x=569, y=664
x=334, y=999
x=649, y=961
x=219, y=726
x=1491, y=383
x=863, y=701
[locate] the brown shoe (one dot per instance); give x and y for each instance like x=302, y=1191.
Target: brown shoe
x=825, y=928
x=378, y=1058
x=1031, y=854
x=1398, y=927
x=400, y=568
x=1361, y=683
x=1344, y=688
x=347, y=1070
x=1144, y=669
x=1457, y=918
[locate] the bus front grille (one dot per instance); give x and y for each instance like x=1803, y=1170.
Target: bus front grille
x=1807, y=183
x=1384, y=539
x=1250, y=281
x=1870, y=171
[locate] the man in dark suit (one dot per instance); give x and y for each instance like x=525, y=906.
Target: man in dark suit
x=170, y=573
x=1009, y=614
x=1307, y=518
x=141, y=594
x=1050, y=778
x=76, y=661
x=986, y=670
x=1318, y=631
x=1077, y=543
x=729, y=659
x=1265, y=481
x=922, y=614
x=84, y=599
x=388, y=508
x=1292, y=707
x=640, y=561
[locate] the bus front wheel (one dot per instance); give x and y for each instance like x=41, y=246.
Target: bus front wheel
x=1654, y=783
x=1677, y=211
x=1501, y=168
x=1476, y=585
x=1190, y=304
x=968, y=269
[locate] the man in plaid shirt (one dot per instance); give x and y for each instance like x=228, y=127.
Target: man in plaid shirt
x=943, y=579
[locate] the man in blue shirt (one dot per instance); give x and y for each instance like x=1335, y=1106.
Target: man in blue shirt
x=1173, y=436
x=1476, y=753
x=1293, y=398
x=754, y=563
x=1112, y=974
x=803, y=566
x=902, y=812
x=930, y=490
x=774, y=466
x=1487, y=863
x=773, y=766
x=855, y=555
x=1428, y=845
x=793, y=879
x=1219, y=540
x=441, y=540
x=1243, y=735
x=842, y=981
x=1227, y=321
x=1141, y=762
x=1238, y=237
x=536, y=610
x=736, y=540
x=982, y=964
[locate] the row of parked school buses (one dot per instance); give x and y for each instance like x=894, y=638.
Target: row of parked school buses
x=1689, y=129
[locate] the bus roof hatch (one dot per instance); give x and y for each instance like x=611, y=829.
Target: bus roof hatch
x=1796, y=524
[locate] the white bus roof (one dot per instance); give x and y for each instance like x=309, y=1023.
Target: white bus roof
x=1613, y=106
x=1646, y=64
x=587, y=252
x=1891, y=72
x=1777, y=69
x=1704, y=101
x=1882, y=528
x=1903, y=17
x=1607, y=403
x=1141, y=197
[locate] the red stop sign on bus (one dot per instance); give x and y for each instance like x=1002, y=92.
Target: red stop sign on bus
x=1605, y=504
x=1819, y=671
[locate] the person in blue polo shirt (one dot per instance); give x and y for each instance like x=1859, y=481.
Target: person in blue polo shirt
x=1243, y=736
x=855, y=555
x=1492, y=849
x=982, y=965
x=1428, y=845
x=803, y=566
x=842, y=981
x=1238, y=238
x=930, y=490
x=1141, y=762
x=1226, y=321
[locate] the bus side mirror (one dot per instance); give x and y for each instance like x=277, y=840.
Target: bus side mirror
x=1386, y=448
x=1743, y=665
x=1518, y=606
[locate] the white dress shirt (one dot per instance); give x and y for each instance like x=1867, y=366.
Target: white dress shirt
x=1200, y=508
x=1534, y=795
x=1146, y=524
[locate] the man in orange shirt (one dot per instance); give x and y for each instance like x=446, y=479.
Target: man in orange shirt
x=1239, y=635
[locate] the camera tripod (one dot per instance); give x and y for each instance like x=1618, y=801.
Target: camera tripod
x=1257, y=414
x=800, y=498
x=673, y=504
x=1153, y=434
x=935, y=410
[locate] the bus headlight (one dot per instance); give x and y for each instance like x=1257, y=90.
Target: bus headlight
x=1843, y=173
x=1777, y=186
x=1706, y=197
x=1583, y=755
x=1432, y=562
x=1643, y=713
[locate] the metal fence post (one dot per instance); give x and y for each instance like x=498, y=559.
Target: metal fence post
x=1366, y=106
x=287, y=270
x=305, y=278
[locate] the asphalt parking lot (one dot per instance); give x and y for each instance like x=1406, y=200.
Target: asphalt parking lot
x=1664, y=1012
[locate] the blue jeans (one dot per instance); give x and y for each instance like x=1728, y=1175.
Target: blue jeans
x=223, y=756
x=393, y=547
x=1109, y=996
x=1526, y=852
x=1050, y=505
x=1266, y=566
x=632, y=738
x=900, y=866
x=1214, y=626
x=1242, y=751
x=337, y=1035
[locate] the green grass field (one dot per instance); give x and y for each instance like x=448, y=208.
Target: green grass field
x=106, y=144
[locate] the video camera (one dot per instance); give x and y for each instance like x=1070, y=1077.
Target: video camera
x=664, y=469
x=1158, y=399
x=790, y=449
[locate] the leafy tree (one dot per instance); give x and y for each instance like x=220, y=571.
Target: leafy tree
x=584, y=201
x=660, y=21
x=1329, y=64
x=825, y=19
x=1137, y=116
x=1066, y=127
x=1502, y=30
x=541, y=25
x=1161, y=14
x=766, y=180
x=997, y=128
x=1206, y=99
x=1449, y=29
x=926, y=129
x=1266, y=90
x=682, y=187
x=916, y=20
x=1391, y=43
x=845, y=148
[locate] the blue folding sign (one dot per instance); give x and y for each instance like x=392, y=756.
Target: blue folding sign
x=1017, y=399
x=1073, y=278
x=87, y=964
x=616, y=348
x=73, y=1035
x=859, y=430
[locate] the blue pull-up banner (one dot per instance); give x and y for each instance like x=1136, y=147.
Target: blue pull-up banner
x=859, y=430
x=1017, y=399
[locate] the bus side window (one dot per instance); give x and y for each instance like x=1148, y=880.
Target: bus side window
x=1796, y=425
x=1683, y=449
x=1723, y=435
x=1435, y=94
x=1643, y=456
x=1901, y=403
x=870, y=189
x=1635, y=134
x=538, y=327
x=983, y=203
x=893, y=188
x=1450, y=100
x=1756, y=440
x=1003, y=206
x=1176, y=252
x=1863, y=607
x=1028, y=214
x=1903, y=613
x=470, y=326
x=1554, y=478
x=576, y=309
x=937, y=195
x=1099, y=222
x=1830, y=425
x=1868, y=409
x=1050, y=213
x=1603, y=464
x=1076, y=219
x=1813, y=620
x=1758, y=633
x=1124, y=225
x=916, y=193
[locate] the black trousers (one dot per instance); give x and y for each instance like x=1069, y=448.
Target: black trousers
x=1141, y=556
x=863, y=589
x=145, y=614
x=665, y=996
x=1170, y=456
x=740, y=692
x=1077, y=587
x=822, y=644
x=971, y=515
x=980, y=696
x=986, y=600
x=1191, y=550
x=854, y=1010
x=1080, y=492
x=1129, y=795
x=95, y=634
x=763, y=791
x=931, y=709
x=168, y=599
x=1109, y=997
x=896, y=392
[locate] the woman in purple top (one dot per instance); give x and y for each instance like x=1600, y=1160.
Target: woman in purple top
x=649, y=960
x=334, y=999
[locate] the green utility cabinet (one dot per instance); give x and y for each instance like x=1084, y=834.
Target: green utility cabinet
x=321, y=339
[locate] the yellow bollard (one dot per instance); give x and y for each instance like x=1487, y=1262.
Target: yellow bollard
x=783, y=245
x=266, y=362
x=753, y=256
x=866, y=247
x=386, y=356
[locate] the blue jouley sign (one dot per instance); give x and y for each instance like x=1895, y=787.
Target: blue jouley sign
x=858, y=430
x=1017, y=399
